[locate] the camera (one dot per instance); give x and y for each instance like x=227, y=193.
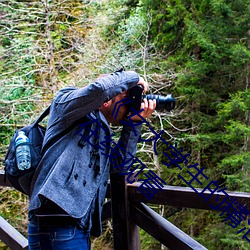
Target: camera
x=162, y=102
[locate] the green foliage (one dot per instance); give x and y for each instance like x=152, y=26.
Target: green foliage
x=197, y=50
x=148, y=242
x=14, y=209
x=205, y=44
x=41, y=47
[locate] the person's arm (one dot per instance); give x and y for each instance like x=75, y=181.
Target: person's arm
x=126, y=148
x=77, y=103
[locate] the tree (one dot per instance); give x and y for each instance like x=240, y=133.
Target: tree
x=205, y=45
x=41, y=50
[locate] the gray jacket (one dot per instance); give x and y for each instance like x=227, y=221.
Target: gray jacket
x=66, y=174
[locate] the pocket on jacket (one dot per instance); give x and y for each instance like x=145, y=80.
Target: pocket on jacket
x=78, y=180
x=71, y=172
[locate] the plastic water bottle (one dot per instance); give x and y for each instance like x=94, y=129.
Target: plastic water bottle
x=23, y=156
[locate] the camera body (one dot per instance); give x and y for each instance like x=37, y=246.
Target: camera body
x=162, y=102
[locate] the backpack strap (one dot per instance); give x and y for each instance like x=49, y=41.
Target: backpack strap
x=43, y=115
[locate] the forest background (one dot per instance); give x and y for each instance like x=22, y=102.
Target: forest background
x=197, y=50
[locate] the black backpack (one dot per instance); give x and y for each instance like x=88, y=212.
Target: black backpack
x=21, y=179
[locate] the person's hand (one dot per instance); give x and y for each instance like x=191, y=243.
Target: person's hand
x=144, y=84
x=148, y=107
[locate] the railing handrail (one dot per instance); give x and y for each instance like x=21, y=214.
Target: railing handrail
x=173, y=196
x=132, y=200
x=11, y=237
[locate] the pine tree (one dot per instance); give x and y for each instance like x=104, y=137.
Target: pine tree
x=205, y=45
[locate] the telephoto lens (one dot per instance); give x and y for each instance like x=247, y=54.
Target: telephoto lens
x=162, y=102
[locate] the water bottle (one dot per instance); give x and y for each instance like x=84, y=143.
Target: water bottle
x=23, y=156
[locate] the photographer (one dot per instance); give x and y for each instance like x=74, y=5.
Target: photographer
x=69, y=187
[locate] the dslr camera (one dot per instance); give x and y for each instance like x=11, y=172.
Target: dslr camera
x=162, y=102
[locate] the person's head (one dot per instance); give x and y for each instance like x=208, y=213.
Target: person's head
x=108, y=107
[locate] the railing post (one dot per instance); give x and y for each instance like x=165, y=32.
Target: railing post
x=125, y=232
x=134, y=235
